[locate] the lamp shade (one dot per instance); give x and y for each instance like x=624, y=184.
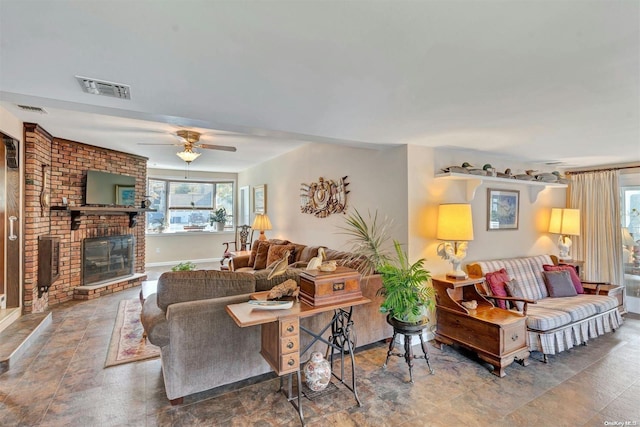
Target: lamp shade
x=261, y=222
x=565, y=221
x=627, y=238
x=188, y=155
x=455, y=222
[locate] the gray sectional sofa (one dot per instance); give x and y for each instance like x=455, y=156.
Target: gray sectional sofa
x=202, y=347
x=554, y=324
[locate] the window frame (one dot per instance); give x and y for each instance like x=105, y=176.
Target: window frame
x=165, y=227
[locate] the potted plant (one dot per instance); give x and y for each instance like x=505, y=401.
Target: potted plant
x=408, y=298
x=219, y=218
x=405, y=287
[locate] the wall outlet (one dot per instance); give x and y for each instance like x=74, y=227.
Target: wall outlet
x=157, y=250
x=3, y=302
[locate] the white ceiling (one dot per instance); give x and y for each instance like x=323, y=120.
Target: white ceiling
x=530, y=80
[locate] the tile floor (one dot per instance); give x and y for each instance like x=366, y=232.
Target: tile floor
x=61, y=381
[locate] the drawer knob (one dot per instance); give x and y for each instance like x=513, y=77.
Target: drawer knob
x=291, y=362
x=514, y=337
x=290, y=328
x=289, y=344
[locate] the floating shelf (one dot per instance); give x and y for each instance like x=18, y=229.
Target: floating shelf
x=78, y=211
x=474, y=181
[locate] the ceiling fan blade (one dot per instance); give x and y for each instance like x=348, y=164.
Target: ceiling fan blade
x=217, y=147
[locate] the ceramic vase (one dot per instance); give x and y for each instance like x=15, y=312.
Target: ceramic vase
x=317, y=372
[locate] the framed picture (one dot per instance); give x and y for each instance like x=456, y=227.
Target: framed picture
x=125, y=195
x=260, y=199
x=502, y=209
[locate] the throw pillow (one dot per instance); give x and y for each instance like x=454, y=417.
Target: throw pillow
x=261, y=255
x=276, y=251
x=559, y=284
x=496, y=281
x=280, y=266
x=254, y=252
x=577, y=283
x=515, y=290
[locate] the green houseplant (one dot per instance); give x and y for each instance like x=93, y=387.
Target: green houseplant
x=407, y=296
x=184, y=266
x=219, y=218
x=405, y=287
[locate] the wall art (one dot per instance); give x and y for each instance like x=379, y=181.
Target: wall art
x=324, y=197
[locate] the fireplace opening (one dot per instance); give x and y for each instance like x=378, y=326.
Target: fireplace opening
x=107, y=258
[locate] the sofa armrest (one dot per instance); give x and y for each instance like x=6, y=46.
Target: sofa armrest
x=207, y=349
x=597, y=284
x=239, y=262
x=154, y=321
x=514, y=299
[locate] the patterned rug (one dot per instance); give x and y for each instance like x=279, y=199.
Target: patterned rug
x=127, y=344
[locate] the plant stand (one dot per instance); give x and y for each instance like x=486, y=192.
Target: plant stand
x=408, y=330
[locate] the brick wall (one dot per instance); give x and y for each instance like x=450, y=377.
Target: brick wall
x=68, y=162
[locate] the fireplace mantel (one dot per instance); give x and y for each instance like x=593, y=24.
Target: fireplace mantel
x=78, y=211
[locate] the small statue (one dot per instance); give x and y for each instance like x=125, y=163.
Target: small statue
x=284, y=289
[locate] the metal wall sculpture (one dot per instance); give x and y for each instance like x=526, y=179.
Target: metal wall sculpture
x=324, y=197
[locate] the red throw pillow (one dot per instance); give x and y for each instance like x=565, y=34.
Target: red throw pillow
x=496, y=281
x=577, y=283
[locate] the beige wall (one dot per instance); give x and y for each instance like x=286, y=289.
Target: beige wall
x=377, y=180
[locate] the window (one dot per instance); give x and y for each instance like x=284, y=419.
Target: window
x=187, y=205
x=630, y=199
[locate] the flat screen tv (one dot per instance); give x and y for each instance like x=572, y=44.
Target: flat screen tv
x=109, y=189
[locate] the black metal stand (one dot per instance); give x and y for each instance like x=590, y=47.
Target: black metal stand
x=341, y=340
x=408, y=350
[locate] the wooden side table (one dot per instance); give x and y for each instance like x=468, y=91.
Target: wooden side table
x=280, y=344
x=498, y=336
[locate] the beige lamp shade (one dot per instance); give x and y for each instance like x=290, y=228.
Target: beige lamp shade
x=627, y=238
x=455, y=222
x=261, y=223
x=565, y=221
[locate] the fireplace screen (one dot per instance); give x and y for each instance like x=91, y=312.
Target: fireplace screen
x=107, y=258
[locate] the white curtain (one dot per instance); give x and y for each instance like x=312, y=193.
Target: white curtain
x=597, y=195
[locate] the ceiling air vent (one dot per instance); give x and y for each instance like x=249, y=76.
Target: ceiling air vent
x=101, y=87
x=32, y=109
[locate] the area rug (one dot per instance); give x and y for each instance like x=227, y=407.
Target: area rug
x=127, y=341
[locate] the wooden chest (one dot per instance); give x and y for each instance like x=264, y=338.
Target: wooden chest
x=319, y=288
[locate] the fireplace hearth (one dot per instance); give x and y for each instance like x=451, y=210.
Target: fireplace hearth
x=107, y=258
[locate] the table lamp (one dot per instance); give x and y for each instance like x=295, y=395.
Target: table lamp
x=455, y=225
x=261, y=223
x=627, y=240
x=565, y=222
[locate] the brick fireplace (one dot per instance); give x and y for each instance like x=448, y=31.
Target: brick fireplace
x=65, y=164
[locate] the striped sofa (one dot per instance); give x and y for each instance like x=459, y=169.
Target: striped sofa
x=554, y=324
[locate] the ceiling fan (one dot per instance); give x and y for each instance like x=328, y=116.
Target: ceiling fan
x=190, y=140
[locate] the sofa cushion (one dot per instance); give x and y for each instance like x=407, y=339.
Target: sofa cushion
x=577, y=283
x=275, y=253
x=578, y=307
x=497, y=281
x=545, y=319
x=515, y=290
x=278, y=267
x=536, y=262
x=260, y=263
x=602, y=303
x=181, y=286
x=559, y=284
x=518, y=268
x=254, y=251
x=308, y=252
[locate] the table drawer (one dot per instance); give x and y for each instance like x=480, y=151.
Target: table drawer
x=289, y=344
x=289, y=327
x=514, y=338
x=289, y=363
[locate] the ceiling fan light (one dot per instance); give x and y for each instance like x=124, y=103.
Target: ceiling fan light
x=188, y=155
